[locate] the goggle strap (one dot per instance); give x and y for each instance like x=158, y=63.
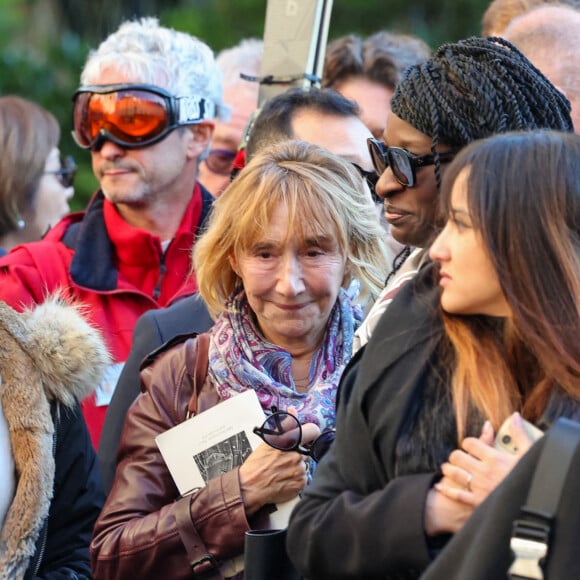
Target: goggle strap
x=194, y=110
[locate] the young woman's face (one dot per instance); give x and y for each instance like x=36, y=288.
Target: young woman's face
x=291, y=284
x=468, y=278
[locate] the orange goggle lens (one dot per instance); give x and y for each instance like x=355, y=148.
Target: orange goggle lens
x=128, y=117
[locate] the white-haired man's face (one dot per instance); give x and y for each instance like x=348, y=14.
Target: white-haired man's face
x=214, y=172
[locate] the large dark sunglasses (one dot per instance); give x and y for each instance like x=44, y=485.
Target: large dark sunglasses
x=66, y=173
x=132, y=115
x=371, y=177
x=283, y=431
x=402, y=162
x=220, y=161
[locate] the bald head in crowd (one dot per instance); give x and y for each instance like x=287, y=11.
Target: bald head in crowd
x=500, y=13
x=550, y=37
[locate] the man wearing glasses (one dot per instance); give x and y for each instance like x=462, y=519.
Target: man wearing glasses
x=241, y=95
x=145, y=111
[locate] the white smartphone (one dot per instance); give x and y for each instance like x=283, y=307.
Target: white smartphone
x=504, y=440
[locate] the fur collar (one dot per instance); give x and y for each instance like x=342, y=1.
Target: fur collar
x=48, y=355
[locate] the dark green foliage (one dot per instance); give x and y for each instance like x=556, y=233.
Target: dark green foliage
x=45, y=66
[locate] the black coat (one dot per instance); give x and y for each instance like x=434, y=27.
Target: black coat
x=63, y=546
x=153, y=329
x=362, y=515
x=481, y=550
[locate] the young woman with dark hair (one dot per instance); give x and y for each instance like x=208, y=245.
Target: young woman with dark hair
x=526, y=222
x=485, y=334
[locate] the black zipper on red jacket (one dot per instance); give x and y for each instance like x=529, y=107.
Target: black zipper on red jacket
x=162, y=270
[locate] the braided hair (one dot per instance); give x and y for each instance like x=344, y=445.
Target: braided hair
x=476, y=88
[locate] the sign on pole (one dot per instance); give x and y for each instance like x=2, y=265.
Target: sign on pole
x=295, y=36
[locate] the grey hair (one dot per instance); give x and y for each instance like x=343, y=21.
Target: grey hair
x=176, y=61
x=246, y=58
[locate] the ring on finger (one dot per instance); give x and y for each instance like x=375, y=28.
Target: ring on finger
x=468, y=483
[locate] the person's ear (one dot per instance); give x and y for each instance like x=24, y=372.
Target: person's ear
x=347, y=276
x=199, y=138
x=234, y=265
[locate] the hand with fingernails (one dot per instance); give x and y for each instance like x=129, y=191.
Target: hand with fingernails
x=474, y=471
x=469, y=476
x=271, y=475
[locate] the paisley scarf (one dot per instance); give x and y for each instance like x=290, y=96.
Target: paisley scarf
x=240, y=359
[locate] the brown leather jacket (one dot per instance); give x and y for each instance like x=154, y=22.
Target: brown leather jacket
x=145, y=527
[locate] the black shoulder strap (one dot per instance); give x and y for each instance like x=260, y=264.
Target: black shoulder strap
x=532, y=530
x=207, y=200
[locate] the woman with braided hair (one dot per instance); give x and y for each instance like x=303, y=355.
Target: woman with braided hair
x=372, y=509
x=468, y=90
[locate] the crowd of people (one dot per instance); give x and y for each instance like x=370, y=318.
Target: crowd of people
x=389, y=262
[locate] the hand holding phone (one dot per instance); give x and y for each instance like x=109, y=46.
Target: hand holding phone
x=504, y=439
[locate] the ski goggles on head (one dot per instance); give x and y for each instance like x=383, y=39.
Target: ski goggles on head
x=132, y=115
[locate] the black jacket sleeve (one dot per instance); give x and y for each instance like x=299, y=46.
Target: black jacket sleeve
x=341, y=530
x=354, y=536
x=146, y=338
x=77, y=501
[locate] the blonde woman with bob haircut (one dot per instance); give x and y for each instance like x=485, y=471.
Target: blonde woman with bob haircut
x=337, y=208
x=276, y=267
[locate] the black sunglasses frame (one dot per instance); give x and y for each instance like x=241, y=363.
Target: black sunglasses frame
x=66, y=173
x=371, y=177
x=382, y=156
x=315, y=450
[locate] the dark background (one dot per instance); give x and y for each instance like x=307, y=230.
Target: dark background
x=43, y=43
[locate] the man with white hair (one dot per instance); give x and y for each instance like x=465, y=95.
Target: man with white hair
x=145, y=110
x=549, y=36
x=241, y=95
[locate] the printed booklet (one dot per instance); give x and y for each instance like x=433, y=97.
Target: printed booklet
x=212, y=443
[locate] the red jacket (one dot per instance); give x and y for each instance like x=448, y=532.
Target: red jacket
x=116, y=270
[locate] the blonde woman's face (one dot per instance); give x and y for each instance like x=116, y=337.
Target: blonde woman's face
x=469, y=281
x=291, y=284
